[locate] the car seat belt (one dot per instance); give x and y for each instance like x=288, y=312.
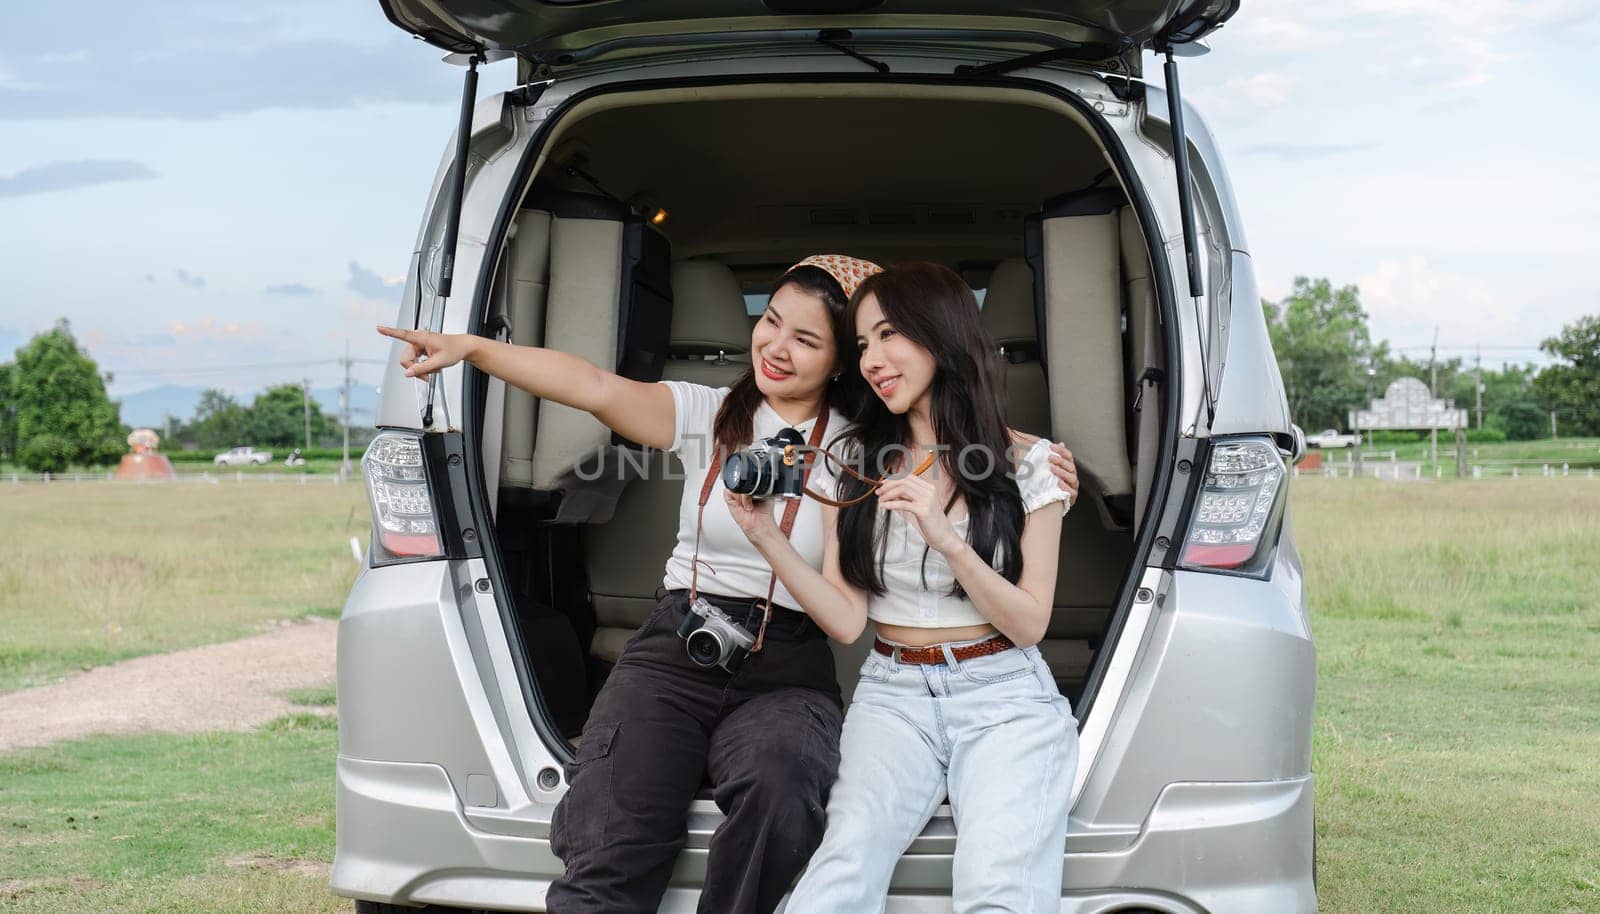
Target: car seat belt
x=1147, y=419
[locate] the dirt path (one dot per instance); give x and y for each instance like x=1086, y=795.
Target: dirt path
x=231, y=686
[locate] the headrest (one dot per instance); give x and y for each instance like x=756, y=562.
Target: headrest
x=708, y=313
x=1008, y=304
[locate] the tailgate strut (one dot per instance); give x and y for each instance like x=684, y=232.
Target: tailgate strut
x=1180, y=159
x=452, y=223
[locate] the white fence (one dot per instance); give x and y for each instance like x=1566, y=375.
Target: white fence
x=205, y=476
x=1403, y=471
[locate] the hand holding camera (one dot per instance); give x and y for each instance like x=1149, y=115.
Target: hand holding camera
x=754, y=517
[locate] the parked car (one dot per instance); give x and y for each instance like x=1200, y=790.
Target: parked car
x=660, y=162
x=242, y=456
x=1331, y=437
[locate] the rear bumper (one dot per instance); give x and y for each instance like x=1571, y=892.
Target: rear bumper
x=1236, y=847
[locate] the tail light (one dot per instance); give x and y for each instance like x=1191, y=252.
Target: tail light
x=1236, y=517
x=405, y=525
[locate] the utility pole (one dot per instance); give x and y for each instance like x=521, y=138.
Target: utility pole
x=305, y=405
x=344, y=402
x=1477, y=384
x=1433, y=390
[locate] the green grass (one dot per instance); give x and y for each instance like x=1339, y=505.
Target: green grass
x=98, y=572
x=1457, y=743
x=315, y=466
x=313, y=697
x=1579, y=452
x=236, y=822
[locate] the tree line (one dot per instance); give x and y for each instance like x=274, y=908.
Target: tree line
x=1330, y=365
x=55, y=413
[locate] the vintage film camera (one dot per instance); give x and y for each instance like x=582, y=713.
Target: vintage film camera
x=714, y=639
x=770, y=467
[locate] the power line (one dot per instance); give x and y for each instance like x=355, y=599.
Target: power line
x=224, y=369
x=1472, y=348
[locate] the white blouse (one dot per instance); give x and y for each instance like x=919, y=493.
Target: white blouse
x=730, y=565
x=907, y=601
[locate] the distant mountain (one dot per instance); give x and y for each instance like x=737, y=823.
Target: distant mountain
x=149, y=408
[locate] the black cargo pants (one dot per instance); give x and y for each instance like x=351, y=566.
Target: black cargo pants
x=768, y=736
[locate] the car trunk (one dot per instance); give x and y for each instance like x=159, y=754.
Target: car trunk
x=1010, y=187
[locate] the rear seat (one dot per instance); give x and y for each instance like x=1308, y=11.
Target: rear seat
x=1093, y=557
x=625, y=556
x=1074, y=248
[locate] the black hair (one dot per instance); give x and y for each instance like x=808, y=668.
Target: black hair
x=733, y=428
x=933, y=307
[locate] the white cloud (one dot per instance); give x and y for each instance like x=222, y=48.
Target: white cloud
x=1256, y=92
x=1264, y=90
x=1407, y=298
x=1458, y=45
x=11, y=82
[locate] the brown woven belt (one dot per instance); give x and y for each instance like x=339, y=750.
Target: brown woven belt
x=934, y=653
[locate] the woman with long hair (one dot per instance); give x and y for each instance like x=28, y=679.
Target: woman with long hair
x=953, y=557
x=767, y=735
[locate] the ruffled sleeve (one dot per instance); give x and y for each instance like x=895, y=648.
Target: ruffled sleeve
x=1036, y=483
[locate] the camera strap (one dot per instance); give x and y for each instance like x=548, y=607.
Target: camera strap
x=872, y=484
x=786, y=525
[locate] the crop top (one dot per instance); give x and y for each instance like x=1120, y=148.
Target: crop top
x=906, y=601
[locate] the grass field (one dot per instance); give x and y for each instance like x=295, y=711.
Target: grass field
x=315, y=466
x=1457, y=741
x=1458, y=715
x=96, y=572
x=229, y=822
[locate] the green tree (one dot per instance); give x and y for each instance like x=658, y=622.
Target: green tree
x=219, y=421
x=1509, y=404
x=62, y=415
x=1571, y=387
x=8, y=414
x=278, y=418
x=1324, y=351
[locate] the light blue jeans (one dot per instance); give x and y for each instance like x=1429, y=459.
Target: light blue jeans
x=995, y=736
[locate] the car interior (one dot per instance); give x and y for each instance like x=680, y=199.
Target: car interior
x=681, y=206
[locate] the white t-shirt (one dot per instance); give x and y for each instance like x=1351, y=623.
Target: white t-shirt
x=906, y=601
x=730, y=565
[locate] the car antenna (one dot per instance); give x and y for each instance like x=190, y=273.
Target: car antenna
x=1180, y=158
x=452, y=223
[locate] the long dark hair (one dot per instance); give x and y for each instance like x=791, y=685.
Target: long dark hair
x=734, y=425
x=933, y=307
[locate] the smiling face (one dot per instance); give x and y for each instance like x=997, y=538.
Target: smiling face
x=793, y=346
x=897, y=369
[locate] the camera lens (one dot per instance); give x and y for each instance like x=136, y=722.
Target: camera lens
x=704, y=647
x=748, y=473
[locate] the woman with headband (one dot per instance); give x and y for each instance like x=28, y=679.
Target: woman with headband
x=948, y=542
x=768, y=733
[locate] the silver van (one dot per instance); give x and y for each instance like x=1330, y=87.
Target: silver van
x=657, y=164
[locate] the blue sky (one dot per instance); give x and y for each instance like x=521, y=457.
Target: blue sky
x=208, y=186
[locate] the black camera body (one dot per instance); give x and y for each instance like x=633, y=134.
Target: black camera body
x=712, y=638
x=770, y=467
